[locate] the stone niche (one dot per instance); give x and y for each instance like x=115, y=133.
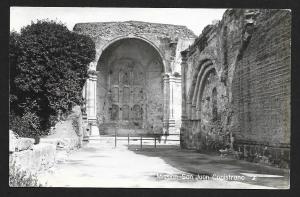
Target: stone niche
x=236, y=86
x=130, y=87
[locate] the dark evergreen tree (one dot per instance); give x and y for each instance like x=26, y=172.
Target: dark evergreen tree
x=48, y=69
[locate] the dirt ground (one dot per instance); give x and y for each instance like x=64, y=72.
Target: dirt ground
x=99, y=164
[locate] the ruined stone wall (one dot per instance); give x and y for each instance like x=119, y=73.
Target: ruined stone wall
x=261, y=87
x=209, y=63
x=167, y=40
x=236, y=85
x=164, y=36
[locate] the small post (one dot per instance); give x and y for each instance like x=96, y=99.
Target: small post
x=154, y=141
x=141, y=142
x=128, y=140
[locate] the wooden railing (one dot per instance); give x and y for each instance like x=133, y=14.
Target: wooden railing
x=142, y=137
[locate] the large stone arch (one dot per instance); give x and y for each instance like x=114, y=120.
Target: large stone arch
x=139, y=37
x=139, y=60
x=167, y=40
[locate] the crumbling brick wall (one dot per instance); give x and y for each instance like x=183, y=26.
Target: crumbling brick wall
x=261, y=87
x=245, y=60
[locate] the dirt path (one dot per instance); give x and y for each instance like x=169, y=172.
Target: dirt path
x=99, y=164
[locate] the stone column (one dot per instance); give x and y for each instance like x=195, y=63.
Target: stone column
x=184, y=124
x=166, y=101
x=91, y=102
x=175, y=103
x=171, y=103
x=183, y=85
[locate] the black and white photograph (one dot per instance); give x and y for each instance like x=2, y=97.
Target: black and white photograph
x=134, y=97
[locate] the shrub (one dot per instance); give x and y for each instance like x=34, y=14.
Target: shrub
x=48, y=68
x=21, y=178
x=25, y=126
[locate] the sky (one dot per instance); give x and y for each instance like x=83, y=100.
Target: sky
x=193, y=18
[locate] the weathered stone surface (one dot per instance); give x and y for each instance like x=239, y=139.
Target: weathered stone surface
x=113, y=29
x=236, y=85
x=261, y=82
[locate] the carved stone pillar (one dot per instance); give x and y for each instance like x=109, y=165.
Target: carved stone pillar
x=172, y=102
x=171, y=109
x=91, y=87
x=184, y=112
x=183, y=85
x=175, y=103
x=166, y=87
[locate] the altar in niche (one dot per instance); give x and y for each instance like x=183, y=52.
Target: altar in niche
x=127, y=81
x=130, y=88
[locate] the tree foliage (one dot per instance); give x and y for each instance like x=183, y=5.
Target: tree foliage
x=48, y=69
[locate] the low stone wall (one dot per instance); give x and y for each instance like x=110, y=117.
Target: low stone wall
x=40, y=157
x=33, y=157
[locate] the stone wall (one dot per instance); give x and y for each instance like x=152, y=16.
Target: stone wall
x=164, y=36
x=39, y=157
x=236, y=86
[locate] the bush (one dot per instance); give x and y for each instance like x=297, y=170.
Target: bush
x=25, y=126
x=21, y=178
x=48, y=68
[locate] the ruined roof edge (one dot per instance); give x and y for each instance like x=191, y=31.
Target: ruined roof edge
x=208, y=28
x=181, y=27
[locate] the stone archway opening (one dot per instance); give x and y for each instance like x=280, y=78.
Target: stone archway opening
x=130, y=90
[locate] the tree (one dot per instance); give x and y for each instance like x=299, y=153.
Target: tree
x=48, y=68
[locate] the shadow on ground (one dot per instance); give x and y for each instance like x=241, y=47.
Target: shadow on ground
x=212, y=164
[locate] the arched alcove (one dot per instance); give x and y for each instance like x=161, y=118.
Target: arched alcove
x=202, y=76
x=130, y=86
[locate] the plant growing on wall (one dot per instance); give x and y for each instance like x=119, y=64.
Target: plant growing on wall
x=48, y=68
